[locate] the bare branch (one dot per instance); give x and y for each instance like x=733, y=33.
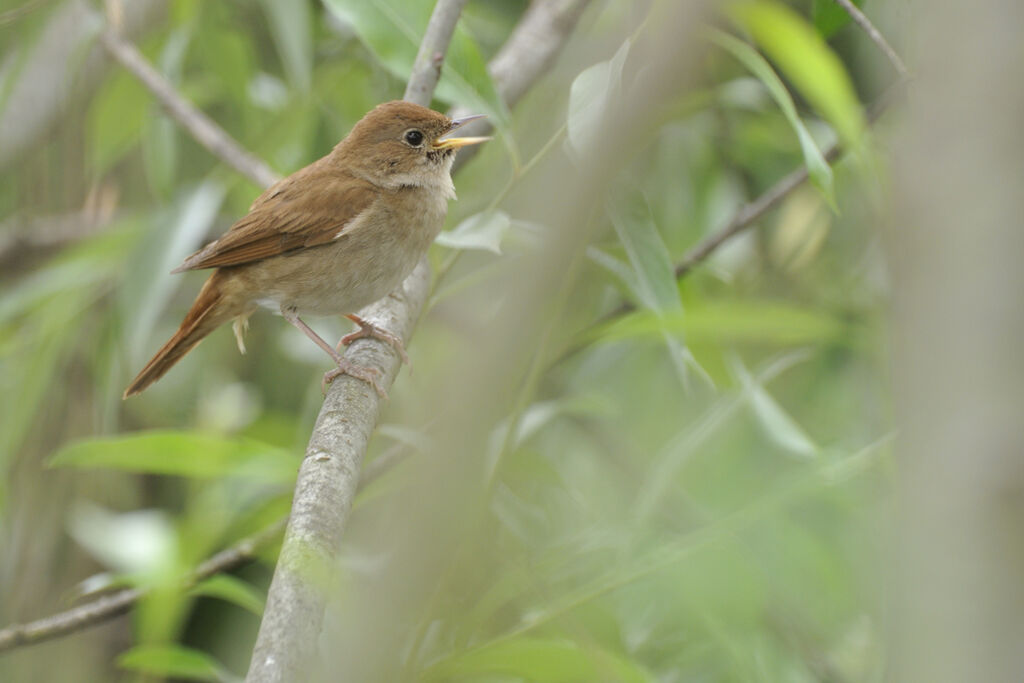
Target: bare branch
x=426, y=70
x=107, y=607
x=59, y=68
x=875, y=35
x=201, y=127
x=327, y=478
x=770, y=198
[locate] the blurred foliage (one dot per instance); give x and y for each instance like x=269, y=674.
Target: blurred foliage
x=683, y=492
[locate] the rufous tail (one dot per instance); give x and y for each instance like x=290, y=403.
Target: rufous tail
x=208, y=312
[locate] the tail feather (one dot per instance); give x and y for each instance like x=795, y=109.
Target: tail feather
x=208, y=312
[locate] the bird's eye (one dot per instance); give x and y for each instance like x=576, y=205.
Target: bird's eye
x=414, y=138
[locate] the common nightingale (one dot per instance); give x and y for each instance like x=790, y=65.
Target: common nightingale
x=329, y=239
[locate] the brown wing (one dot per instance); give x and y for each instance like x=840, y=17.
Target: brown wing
x=307, y=209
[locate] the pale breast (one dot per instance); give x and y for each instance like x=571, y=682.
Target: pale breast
x=365, y=262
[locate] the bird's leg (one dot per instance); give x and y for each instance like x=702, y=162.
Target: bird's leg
x=345, y=367
x=368, y=329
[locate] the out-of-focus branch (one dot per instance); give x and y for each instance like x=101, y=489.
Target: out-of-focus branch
x=748, y=215
x=875, y=35
x=199, y=125
x=107, y=607
x=58, y=70
x=426, y=70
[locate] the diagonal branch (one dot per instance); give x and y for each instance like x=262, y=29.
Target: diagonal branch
x=288, y=636
x=875, y=35
x=107, y=607
x=202, y=128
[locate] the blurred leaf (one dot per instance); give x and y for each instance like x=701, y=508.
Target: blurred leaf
x=227, y=55
x=651, y=262
x=172, y=661
x=775, y=421
x=808, y=62
x=141, y=541
x=819, y=170
x=291, y=26
x=753, y=322
x=589, y=96
x=184, y=454
x=542, y=661
x=829, y=17
x=160, y=153
x=231, y=589
x=180, y=230
x=115, y=120
x=483, y=230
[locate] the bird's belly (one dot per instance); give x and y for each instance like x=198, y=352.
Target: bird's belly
x=352, y=272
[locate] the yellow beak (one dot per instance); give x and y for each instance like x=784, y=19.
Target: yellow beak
x=455, y=143
x=449, y=143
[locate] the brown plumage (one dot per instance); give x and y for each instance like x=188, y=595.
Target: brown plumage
x=330, y=238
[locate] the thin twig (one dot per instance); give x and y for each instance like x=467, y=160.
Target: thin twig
x=202, y=128
x=426, y=70
x=13, y=15
x=107, y=607
x=875, y=35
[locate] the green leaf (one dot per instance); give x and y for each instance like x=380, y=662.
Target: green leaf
x=589, y=96
x=543, y=661
x=776, y=422
x=115, y=120
x=807, y=61
x=183, y=454
x=818, y=169
x=725, y=321
x=172, y=661
x=829, y=17
x=483, y=230
x=179, y=229
x=291, y=27
x=233, y=590
x=392, y=31
x=647, y=253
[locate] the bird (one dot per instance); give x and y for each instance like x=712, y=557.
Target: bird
x=330, y=238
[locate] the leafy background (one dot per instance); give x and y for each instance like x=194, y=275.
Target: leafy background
x=687, y=491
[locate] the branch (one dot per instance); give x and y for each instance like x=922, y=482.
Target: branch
x=527, y=54
x=325, y=488
x=426, y=70
x=107, y=607
x=875, y=35
x=57, y=69
x=202, y=128
x=751, y=212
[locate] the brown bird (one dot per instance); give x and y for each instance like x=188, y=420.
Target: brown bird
x=330, y=238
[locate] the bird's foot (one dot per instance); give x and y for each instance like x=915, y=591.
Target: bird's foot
x=346, y=367
x=368, y=329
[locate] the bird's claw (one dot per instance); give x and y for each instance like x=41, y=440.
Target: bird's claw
x=371, y=331
x=368, y=375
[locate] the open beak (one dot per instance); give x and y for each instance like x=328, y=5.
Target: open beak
x=455, y=143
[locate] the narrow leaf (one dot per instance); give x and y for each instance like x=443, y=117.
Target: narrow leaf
x=172, y=661
x=807, y=61
x=819, y=170
x=186, y=454
x=483, y=230
x=233, y=590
